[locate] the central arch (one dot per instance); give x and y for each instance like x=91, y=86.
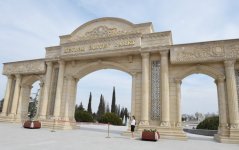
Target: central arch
x=94, y=66
x=81, y=71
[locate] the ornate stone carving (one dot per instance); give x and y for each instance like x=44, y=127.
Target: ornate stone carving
x=143, y=123
x=203, y=52
x=165, y=124
x=237, y=82
x=102, y=31
x=234, y=126
x=179, y=125
x=155, y=90
x=24, y=67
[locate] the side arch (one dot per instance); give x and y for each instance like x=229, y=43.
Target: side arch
x=30, y=79
x=210, y=71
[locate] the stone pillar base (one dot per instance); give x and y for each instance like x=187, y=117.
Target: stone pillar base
x=42, y=117
x=144, y=123
x=165, y=133
x=165, y=124
x=3, y=114
x=12, y=116
x=228, y=136
x=54, y=124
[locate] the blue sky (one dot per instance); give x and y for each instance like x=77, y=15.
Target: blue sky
x=28, y=26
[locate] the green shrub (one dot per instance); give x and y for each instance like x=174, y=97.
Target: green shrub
x=210, y=123
x=110, y=118
x=83, y=116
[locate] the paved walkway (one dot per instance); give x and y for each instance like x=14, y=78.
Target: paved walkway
x=92, y=137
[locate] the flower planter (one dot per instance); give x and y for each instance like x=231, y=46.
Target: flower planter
x=150, y=135
x=32, y=124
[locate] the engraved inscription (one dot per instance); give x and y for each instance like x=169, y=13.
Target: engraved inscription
x=100, y=46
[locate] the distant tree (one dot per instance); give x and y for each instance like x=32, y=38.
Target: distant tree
x=107, y=108
x=111, y=118
x=210, y=123
x=113, y=104
x=81, y=108
x=89, y=104
x=101, y=107
x=126, y=115
x=1, y=104
x=122, y=113
x=118, y=110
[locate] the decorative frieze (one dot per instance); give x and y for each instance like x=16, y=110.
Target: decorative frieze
x=101, y=32
x=205, y=52
x=155, y=90
x=24, y=67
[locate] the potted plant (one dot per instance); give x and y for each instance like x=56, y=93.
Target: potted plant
x=150, y=135
x=32, y=123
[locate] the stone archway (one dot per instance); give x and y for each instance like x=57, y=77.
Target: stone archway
x=73, y=77
x=156, y=65
x=220, y=83
x=25, y=92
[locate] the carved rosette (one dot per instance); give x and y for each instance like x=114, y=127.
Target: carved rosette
x=234, y=126
x=165, y=124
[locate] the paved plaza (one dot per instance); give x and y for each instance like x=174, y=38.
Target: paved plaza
x=93, y=137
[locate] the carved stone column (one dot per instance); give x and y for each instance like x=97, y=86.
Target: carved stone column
x=232, y=93
x=40, y=99
x=15, y=96
x=69, y=96
x=145, y=90
x=222, y=105
x=178, y=98
x=24, y=93
x=60, y=80
x=133, y=94
x=45, y=98
x=7, y=96
x=164, y=88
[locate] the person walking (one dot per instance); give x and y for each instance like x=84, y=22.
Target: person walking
x=133, y=123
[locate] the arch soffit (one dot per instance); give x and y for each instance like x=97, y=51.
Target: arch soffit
x=30, y=79
x=91, y=67
x=210, y=71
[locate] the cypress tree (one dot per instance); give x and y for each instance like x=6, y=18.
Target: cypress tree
x=89, y=104
x=81, y=108
x=122, y=113
x=107, y=108
x=113, y=105
x=101, y=107
x=126, y=114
